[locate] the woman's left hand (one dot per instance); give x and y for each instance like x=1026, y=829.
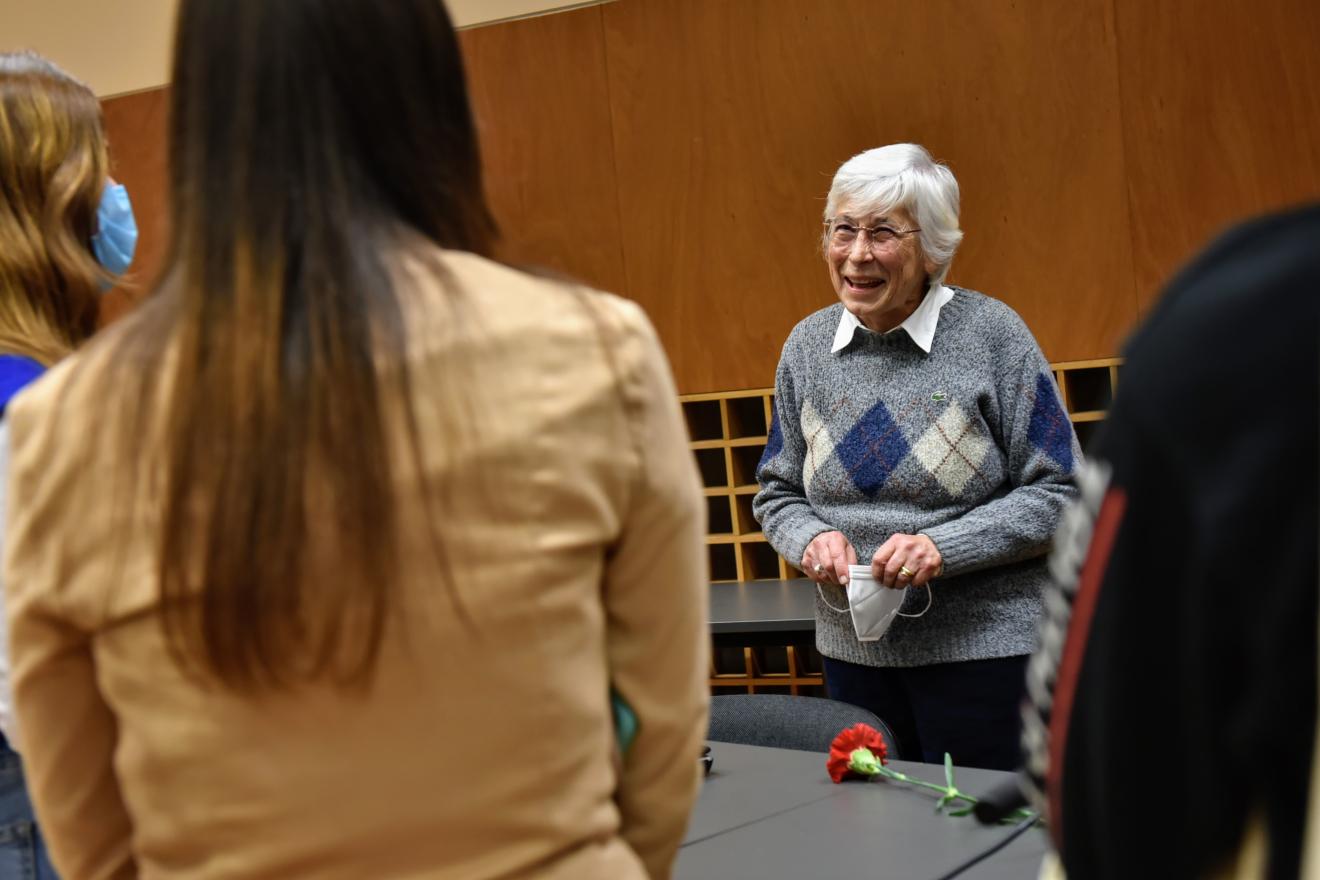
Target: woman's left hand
x=906, y=561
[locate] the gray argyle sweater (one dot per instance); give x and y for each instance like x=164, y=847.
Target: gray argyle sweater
x=967, y=444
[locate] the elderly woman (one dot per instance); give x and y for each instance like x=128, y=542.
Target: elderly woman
x=918, y=428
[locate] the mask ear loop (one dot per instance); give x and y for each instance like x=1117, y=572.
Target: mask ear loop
x=930, y=600
x=821, y=593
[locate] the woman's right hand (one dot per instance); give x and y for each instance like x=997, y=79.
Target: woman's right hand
x=827, y=558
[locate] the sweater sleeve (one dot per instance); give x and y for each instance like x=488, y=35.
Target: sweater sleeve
x=1042, y=452
x=656, y=606
x=781, y=506
x=68, y=730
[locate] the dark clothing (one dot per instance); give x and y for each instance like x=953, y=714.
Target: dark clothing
x=1186, y=691
x=16, y=373
x=968, y=709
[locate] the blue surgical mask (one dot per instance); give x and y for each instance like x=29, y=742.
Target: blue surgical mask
x=116, y=230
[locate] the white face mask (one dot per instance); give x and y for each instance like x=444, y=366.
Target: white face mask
x=873, y=605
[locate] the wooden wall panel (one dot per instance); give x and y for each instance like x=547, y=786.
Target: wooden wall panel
x=730, y=118
x=541, y=99
x=678, y=151
x=540, y=95
x=139, y=159
x=1221, y=119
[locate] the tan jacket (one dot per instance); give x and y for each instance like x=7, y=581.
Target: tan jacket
x=575, y=525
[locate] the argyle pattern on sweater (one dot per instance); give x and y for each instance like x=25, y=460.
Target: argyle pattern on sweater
x=968, y=444
x=947, y=455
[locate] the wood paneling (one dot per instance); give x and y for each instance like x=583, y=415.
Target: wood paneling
x=730, y=118
x=1221, y=119
x=541, y=99
x=679, y=151
x=139, y=153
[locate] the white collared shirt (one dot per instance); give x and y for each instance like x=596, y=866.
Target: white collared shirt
x=920, y=325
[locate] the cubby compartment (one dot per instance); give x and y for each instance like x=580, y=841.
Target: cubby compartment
x=1086, y=433
x=771, y=660
x=729, y=660
x=719, y=515
x=808, y=660
x=723, y=562
x=1088, y=389
x=760, y=561
x=744, y=523
x=703, y=419
x=746, y=417
x=711, y=464
x=745, y=460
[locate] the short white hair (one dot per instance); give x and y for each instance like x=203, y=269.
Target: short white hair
x=903, y=176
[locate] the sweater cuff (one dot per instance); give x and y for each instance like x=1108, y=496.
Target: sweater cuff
x=958, y=547
x=790, y=539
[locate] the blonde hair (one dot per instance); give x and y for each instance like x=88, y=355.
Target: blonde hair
x=53, y=167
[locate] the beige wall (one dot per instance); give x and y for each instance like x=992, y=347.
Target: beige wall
x=124, y=46
x=114, y=47
x=470, y=13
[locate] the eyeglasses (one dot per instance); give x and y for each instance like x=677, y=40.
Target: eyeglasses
x=842, y=235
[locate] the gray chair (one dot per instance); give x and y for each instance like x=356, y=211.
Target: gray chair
x=787, y=722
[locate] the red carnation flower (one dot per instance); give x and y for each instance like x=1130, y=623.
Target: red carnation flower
x=857, y=751
x=860, y=751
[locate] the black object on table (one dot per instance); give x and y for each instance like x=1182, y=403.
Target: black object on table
x=774, y=813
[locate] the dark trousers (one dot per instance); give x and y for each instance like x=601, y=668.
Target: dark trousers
x=22, y=851
x=969, y=710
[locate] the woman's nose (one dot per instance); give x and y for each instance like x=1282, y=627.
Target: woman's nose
x=860, y=252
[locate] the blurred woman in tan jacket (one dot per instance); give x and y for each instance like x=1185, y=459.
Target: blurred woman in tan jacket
x=66, y=232
x=327, y=560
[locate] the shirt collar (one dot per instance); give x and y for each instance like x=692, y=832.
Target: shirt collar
x=920, y=325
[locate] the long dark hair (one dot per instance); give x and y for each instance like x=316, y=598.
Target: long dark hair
x=311, y=140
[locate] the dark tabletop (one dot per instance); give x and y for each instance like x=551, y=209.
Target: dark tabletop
x=763, y=607
x=773, y=813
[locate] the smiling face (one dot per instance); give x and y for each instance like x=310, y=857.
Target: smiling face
x=881, y=283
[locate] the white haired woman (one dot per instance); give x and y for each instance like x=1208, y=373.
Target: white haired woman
x=917, y=428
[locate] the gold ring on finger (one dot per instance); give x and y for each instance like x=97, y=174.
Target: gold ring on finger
x=906, y=572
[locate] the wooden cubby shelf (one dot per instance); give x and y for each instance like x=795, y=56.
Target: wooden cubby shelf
x=790, y=669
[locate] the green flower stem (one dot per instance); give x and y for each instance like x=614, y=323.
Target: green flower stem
x=865, y=762
x=949, y=792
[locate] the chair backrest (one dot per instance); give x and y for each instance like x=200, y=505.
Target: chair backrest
x=787, y=722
